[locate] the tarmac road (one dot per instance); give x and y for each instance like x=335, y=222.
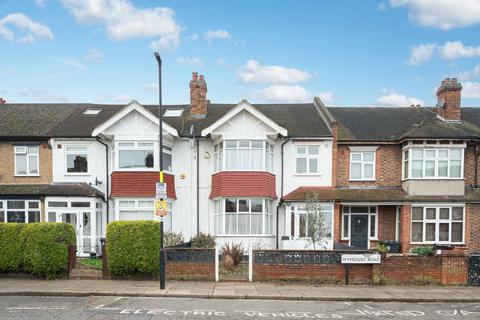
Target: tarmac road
x=23, y=307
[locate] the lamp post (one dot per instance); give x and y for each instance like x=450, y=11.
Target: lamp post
x=160, y=147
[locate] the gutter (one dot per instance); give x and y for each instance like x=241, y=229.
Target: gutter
x=281, y=193
x=107, y=184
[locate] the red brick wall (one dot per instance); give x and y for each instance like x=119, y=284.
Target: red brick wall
x=190, y=270
x=447, y=269
x=469, y=165
x=388, y=167
x=386, y=222
x=472, y=227
x=243, y=184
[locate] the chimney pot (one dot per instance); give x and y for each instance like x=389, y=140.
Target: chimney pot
x=2, y=101
x=194, y=76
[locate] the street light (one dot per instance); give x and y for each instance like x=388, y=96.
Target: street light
x=160, y=147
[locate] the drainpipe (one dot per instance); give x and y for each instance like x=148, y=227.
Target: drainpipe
x=106, y=174
x=281, y=192
x=477, y=155
x=198, y=184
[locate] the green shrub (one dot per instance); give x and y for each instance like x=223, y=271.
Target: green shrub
x=203, y=240
x=11, y=244
x=133, y=248
x=423, y=251
x=45, y=248
x=172, y=239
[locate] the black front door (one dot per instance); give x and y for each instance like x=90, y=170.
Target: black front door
x=359, y=231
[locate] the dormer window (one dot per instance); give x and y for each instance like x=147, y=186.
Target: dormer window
x=243, y=155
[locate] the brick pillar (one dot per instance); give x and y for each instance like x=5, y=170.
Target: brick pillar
x=337, y=222
x=405, y=225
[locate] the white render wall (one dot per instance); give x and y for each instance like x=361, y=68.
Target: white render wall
x=96, y=162
x=135, y=127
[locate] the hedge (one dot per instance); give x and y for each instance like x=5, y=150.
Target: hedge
x=133, y=248
x=37, y=248
x=11, y=243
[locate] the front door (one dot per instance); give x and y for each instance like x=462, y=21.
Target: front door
x=359, y=231
x=81, y=222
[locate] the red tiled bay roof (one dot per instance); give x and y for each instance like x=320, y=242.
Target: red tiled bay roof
x=140, y=184
x=243, y=184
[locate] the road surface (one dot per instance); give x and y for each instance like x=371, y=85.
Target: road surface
x=37, y=308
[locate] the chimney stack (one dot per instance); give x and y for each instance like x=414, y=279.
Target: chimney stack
x=449, y=97
x=2, y=101
x=198, y=96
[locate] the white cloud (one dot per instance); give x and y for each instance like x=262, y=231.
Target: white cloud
x=397, y=100
x=467, y=75
x=122, y=20
x=326, y=97
x=33, y=31
x=94, y=55
x=217, y=34
x=421, y=53
x=42, y=96
x=71, y=62
x=193, y=36
x=190, y=61
x=456, y=50
x=450, y=50
x=40, y=3
x=284, y=93
x=442, y=14
x=471, y=90
x=253, y=72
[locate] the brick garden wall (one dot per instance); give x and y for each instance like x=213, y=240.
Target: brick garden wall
x=446, y=269
x=190, y=264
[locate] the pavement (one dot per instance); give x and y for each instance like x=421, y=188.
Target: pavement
x=238, y=290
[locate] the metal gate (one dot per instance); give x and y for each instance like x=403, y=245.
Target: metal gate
x=474, y=270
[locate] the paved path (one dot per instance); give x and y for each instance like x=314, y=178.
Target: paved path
x=79, y=308
x=237, y=290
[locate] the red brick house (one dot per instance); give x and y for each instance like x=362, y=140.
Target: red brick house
x=404, y=174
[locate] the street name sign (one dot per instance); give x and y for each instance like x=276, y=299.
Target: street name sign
x=363, y=258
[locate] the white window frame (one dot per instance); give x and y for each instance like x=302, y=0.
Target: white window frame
x=67, y=153
x=267, y=217
x=137, y=207
x=363, y=163
x=220, y=155
x=5, y=210
x=308, y=157
x=299, y=210
x=437, y=222
x=137, y=147
x=424, y=147
x=28, y=155
x=349, y=214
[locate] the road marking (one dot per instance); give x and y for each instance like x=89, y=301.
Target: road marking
x=348, y=303
x=118, y=298
x=36, y=308
x=367, y=306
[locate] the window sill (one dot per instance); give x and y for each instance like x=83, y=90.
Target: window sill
x=26, y=175
x=439, y=179
x=439, y=243
x=79, y=174
x=244, y=235
x=362, y=180
x=308, y=174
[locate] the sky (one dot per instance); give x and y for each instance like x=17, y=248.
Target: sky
x=348, y=52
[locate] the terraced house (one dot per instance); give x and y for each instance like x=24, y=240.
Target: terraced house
x=243, y=171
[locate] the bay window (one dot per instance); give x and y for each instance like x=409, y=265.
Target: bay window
x=243, y=216
x=20, y=211
x=243, y=155
x=307, y=159
x=362, y=165
x=429, y=163
x=141, y=209
x=142, y=156
x=26, y=160
x=434, y=224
